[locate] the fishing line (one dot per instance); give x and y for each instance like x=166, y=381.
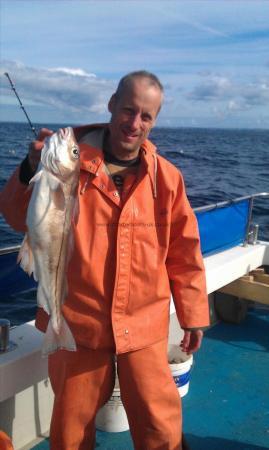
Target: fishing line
x=21, y=105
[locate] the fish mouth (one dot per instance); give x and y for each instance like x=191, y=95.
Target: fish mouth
x=64, y=133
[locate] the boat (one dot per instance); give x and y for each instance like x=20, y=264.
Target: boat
x=227, y=406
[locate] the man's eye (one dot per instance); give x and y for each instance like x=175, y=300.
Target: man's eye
x=128, y=111
x=147, y=118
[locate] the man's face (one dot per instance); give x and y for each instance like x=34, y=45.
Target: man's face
x=133, y=114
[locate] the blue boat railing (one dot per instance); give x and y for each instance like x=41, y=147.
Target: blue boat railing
x=226, y=224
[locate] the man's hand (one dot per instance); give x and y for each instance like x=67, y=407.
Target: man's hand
x=191, y=341
x=35, y=148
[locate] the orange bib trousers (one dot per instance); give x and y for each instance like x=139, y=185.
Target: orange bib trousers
x=83, y=381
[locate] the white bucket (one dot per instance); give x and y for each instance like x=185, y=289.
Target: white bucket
x=180, y=364
x=112, y=416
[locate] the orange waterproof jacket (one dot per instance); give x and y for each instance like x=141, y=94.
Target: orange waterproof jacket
x=129, y=257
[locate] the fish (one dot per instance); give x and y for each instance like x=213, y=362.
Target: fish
x=48, y=243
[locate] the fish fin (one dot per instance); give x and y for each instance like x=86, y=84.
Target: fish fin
x=36, y=177
x=54, y=341
x=26, y=257
x=58, y=198
x=42, y=298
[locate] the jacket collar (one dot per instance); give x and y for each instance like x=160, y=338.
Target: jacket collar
x=149, y=157
x=92, y=157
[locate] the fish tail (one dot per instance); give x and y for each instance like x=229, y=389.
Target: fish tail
x=26, y=258
x=56, y=339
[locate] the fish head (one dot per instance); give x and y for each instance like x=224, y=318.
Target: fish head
x=60, y=154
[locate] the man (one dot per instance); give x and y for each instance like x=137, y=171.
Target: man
x=136, y=241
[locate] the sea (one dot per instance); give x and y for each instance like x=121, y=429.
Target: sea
x=217, y=165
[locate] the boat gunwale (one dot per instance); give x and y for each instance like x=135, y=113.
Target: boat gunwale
x=229, y=202
x=10, y=249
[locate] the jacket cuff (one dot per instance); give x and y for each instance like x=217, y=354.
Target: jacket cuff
x=25, y=173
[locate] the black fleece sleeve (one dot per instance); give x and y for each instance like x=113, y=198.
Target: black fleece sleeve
x=26, y=173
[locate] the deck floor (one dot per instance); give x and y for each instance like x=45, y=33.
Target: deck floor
x=227, y=407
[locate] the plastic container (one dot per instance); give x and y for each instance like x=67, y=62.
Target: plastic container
x=180, y=364
x=112, y=416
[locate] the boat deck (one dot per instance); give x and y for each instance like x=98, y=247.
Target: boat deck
x=227, y=407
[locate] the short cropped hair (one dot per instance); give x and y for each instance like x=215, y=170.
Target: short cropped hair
x=127, y=80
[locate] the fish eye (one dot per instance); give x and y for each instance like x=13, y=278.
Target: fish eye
x=75, y=152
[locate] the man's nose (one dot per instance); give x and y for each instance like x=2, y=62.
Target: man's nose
x=134, y=121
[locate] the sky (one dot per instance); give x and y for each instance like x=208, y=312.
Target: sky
x=66, y=57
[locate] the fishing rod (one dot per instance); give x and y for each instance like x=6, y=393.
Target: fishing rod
x=21, y=105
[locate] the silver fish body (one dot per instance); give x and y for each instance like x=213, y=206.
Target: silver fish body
x=47, y=246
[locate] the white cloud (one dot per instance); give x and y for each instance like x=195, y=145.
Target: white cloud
x=64, y=94
x=239, y=96
x=211, y=88
x=256, y=94
x=63, y=88
x=75, y=72
x=234, y=105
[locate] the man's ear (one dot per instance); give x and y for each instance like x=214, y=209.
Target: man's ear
x=111, y=103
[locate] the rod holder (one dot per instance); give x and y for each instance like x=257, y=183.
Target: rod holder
x=4, y=335
x=253, y=233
